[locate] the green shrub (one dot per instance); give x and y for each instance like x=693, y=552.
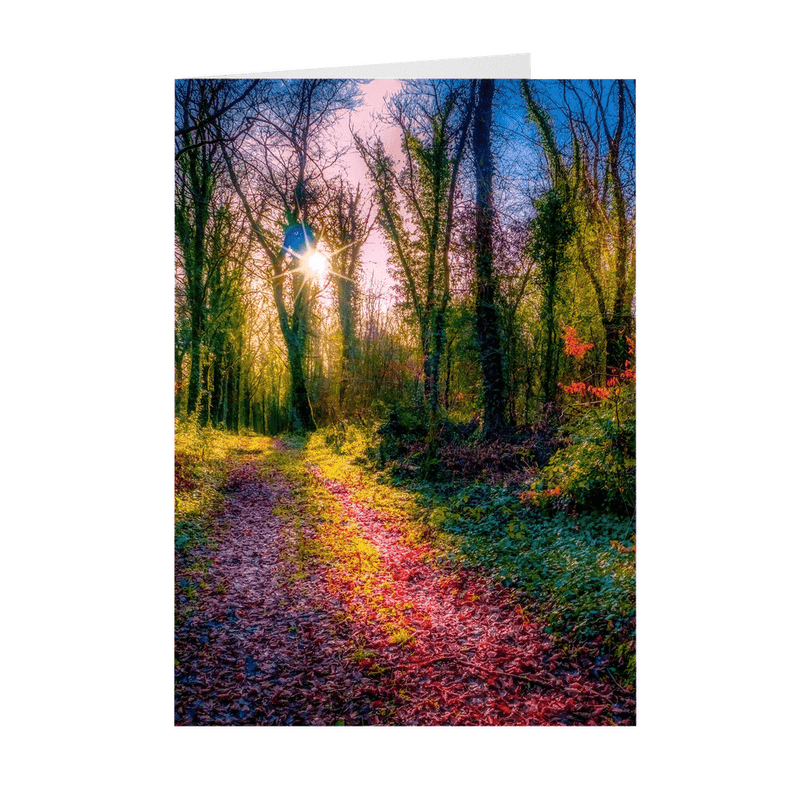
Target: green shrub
x=597, y=469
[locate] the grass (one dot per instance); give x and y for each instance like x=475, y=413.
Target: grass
x=347, y=457
x=575, y=571
x=353, y=563
x=401, y=636
x=204, y=459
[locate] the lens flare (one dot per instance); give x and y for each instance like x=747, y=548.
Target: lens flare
x=317, y=265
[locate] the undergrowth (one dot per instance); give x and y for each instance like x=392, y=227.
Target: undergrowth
x=204, y=463
x=575, y=566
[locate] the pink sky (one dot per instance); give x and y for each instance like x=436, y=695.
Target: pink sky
x=374, y=253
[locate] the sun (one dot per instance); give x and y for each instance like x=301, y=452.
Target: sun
x=317, y=265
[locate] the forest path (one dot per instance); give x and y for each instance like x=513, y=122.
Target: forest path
x=318, y=609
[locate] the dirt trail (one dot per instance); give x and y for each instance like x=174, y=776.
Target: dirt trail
x=273, y=647
x=265, y=649
x=476, y=658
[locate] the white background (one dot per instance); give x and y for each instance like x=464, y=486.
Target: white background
x=87, y=402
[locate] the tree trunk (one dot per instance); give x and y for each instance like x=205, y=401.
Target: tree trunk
x=448, y=367
x=528, y=389
x=204, y=395
x=215, y=391
x=300, y=401
x=193, y=392
x=232, y=421
x=246, y=404
x=346, y=323
x=487, y=322
x=179, y=394
x=297, y=356
x=550, y=345
x=616, y=330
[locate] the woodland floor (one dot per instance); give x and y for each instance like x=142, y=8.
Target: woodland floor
x=285, y=632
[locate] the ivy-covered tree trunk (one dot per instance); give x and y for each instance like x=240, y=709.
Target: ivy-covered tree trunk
x=550, y=355
x=294, y=330
x=428, y=188
x=433, y=345
x=487, y=320
x=552, y=230
x=203, y=402
x=193, y=390
x=295, y=334
x=179, y=392
x=448, y=371
x=300, y=400
x=193, y=237
x=215, y=391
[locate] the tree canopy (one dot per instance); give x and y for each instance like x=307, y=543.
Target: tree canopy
x=501, y=214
